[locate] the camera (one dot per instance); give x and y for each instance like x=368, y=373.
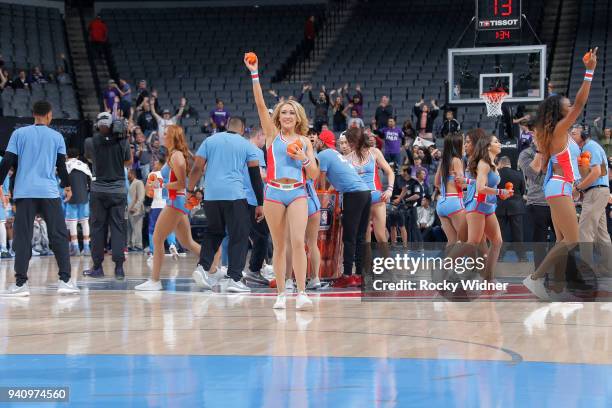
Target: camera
x=118, y=127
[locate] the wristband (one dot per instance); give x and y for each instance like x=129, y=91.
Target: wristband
x=389, y=188
x=588, y=75
x=306, y=162
x=470, y=181
x=255, y=76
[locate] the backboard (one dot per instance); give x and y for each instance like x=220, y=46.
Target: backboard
x=520, y=70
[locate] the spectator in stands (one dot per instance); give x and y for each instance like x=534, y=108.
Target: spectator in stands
x=188, y=110
x=146, y=120
x=8, y=78
x=142, y=92
x=550, y=89
x=383, y=112
x=355, y=120
x=525, y=134
x=409, y=134
x=21, y=82
x=450, y=125
x=109, y=94
x=603, y=137
x=164, y=121
x=394, y=139
x=511, y=210
x=125, y=93
x=425, y=218
x=219, y=117
x=339, y=112
x=355, y=101
x=374, y=139
x=135, y=212
x=37, y=77
x=322, y=105
x=98, y=35
x=142, y=152
x=116, y=108
x=309, y=35
x=425, y=118
x=62, y=75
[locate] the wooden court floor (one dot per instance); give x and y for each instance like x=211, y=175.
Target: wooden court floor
x=458, y=342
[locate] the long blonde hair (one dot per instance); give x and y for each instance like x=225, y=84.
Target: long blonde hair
x=301, y=127
x=176, y=135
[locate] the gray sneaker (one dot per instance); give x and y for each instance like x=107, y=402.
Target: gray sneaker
x=67, y=288
x=202, y=279
x=256, y=279
x=237, y=287
x=16, y=291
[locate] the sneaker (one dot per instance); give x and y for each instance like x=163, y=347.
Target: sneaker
x=290, y=286
x=94, y=272
x=173, y=252
x=119, y=273
x=74, y=250
x=5, y=254
x=67, y=288
x=355, y=281
x=16, y=291
x=342, y=282
x=149, y=285
x=11, y=253
x=267, y=272
x=222, y=271
x=237, y=287
x=303, y=302
x=281, y=301
x=536, y=287
x=150, y=261
x=202, y=278
x=313, y=284
x=86, y=251
x=256, y=278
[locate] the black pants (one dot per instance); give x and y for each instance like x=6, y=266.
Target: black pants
x=51, y=211
x=108, y=209
x=233, y=215
x=414, y=232
x=259, y=238
x=355, y=218
x=542, y=222
x=512, y=231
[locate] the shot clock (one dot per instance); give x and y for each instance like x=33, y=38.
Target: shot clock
x=498, y=22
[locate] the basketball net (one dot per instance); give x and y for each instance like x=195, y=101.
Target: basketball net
x=494, y=100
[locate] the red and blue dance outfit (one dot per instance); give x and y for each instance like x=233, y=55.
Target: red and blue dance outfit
x=368, y=172
x=176, y=198
x=450, y=203
x=485, y=203
x=280, y=166
x=561, y=185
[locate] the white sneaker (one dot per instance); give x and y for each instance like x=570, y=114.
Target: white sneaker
x=173, y=252
x=202, y=279
x=149, y=285
x=150, y=261
x=16, y=291
x=281, y=301
x=237, y=287
x=221, y=271
x=67, y=288
x=314, y=284
x=536, y=287
x=289, y=286
x=267, y=272
x=303, y=302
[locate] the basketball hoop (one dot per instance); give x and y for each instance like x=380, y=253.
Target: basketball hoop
x=494, y=100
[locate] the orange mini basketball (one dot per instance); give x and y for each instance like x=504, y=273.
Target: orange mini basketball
x=586, y=154
x=586, y=57
x=251, y=57
x=292, y=148
x=509, y=186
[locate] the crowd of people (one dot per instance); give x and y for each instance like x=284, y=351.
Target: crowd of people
x=397, y=185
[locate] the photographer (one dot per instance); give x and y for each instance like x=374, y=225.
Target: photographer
x=109, y=152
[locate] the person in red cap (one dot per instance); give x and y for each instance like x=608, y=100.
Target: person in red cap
x=356, y=203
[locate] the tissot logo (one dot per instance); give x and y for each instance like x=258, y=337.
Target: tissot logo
x=499, y=23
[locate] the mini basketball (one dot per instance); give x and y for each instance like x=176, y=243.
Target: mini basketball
x=251, y=57
x=509, y=186
x=586, y=57
x=586, y=154
x=292, y=148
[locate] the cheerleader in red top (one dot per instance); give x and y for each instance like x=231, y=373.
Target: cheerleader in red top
x=285, y=195
x=174, y=216
x=555, y=117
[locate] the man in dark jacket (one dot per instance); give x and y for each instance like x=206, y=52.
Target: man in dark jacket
x=383, y=113
x=450, y=125
x=510, y=211
x=321, y=107
x=425, y=118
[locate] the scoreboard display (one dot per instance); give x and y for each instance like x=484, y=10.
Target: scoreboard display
x=498, y=22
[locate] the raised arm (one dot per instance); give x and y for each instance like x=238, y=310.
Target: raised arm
x=152, y=104
x=581, y=97
x=260, y=102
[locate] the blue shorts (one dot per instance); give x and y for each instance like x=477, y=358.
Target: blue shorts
x=449, y=205
x=2, y=213
x=178, y=204
x=153, y=216
x=77, y=212
x=481, y=208
x=376, y=197
x=557, y=187
x=284, y=197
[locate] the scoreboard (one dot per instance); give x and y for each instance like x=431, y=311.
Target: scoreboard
x=498, y=22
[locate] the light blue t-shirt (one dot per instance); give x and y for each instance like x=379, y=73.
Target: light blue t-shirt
x=36, y=147
x=340, y=172
x=226, y=156
x=248, y=188
x=598, y=157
